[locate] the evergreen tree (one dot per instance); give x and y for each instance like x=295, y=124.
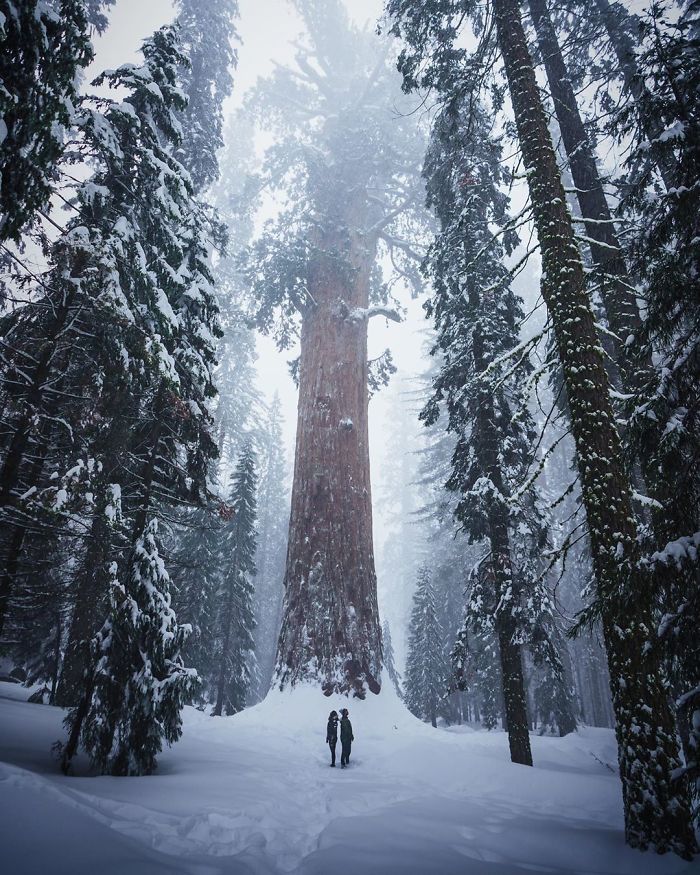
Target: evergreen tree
x=206, y=30
x=388, y=659
x=160, y=453
x=425, y=683
x=236, y=622
x=665, y=253
x=198, y=557
x=315, y=271
x=42, y=48
x=139, y=683
x=656, y=807
x=476, y=316
x=167, y=350
x=273, y=504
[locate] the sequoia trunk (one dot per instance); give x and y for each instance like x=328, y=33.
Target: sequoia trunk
x=330, y=631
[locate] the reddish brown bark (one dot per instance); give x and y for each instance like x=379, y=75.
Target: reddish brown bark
x=330, y=632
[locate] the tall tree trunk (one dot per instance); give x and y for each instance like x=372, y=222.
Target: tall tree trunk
x=514, y=702
x=90, y=604
x=656, y=808
x=330, y=631
x=90, y=585
x=616, y=290
x=225, y=649
x=507, y=595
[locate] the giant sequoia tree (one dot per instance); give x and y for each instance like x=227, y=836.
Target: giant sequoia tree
x=348, y=168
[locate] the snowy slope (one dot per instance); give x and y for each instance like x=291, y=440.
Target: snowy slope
x=254, y=794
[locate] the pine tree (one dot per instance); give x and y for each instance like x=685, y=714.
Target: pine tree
x=236, y=622
x=139, y=683
x=42, y=49
x=128, y=683
x=388, y=659
x=167, y=324
x=206, y=31
x=198, y=557
x=476, y=316
x=665, y=253
x=425, y=683
x=656, y=807
x=273, y=504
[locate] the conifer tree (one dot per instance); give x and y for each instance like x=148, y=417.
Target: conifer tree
x=139, y=683
x=128, y=683
x=161, y=403
x=236, y=623
x=665, y=253
x=207, y=32
x=43, y=45
x=388, y=659
x=198, y=558
x=315, y=273
x=476, y=316
x=425, y=684
x=273, y=505
x=656, y=805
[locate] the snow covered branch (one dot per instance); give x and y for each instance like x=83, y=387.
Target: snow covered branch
x=361, y=314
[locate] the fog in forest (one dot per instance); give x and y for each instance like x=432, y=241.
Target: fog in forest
x=349, y=360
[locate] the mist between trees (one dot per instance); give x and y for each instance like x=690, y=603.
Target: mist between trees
x=524, y=176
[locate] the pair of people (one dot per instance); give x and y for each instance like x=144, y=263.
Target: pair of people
x=346, y=736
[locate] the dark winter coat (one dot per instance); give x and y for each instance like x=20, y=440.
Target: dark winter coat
x=332, y=731
x=346, y=731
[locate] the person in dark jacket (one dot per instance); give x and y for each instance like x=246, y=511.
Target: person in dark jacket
x=332, y=734
x=346, y=738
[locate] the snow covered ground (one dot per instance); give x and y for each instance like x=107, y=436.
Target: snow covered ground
x=254, y=794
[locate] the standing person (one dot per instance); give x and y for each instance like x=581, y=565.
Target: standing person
x=346, y=738
x=332, y=734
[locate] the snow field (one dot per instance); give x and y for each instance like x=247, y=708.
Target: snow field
x=254, y=794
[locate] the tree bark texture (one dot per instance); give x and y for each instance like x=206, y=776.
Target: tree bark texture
x=330, y=630
x=656, y=808
x=616, y=290
x=90, y=606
